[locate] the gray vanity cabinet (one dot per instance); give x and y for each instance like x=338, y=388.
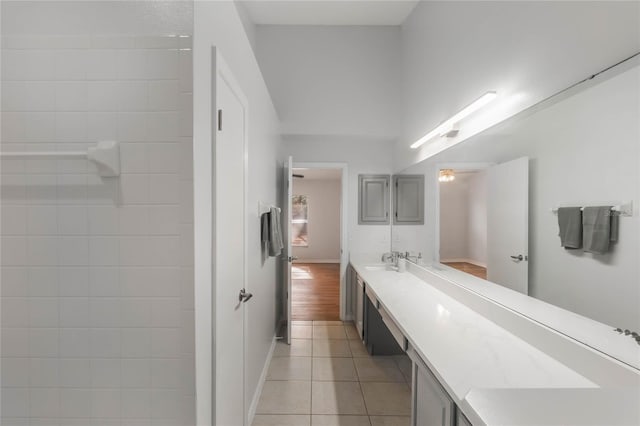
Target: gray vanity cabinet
x=461, y=420
x=351, y=293
x=408, y=200
x=373, y=199
x=431, y=403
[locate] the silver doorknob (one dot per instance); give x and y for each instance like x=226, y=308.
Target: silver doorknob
x=518, y=257
x=292, y=258
x=244, y=296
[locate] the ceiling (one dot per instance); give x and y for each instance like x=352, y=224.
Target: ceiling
x=319, y=174
x=329, y=12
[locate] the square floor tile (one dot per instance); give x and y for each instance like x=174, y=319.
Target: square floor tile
x=285, y=397
x=298, y=347
x=290, y=368
x=378, y=369
x=390, y=420
x=352, y=332
x=387, y=399
x=358, y=349
x=328, y=323
x=334, y=348
x=281, y=420
x=330, y=420
x=329, y=332
x=337, y=398
x=301, y=331
x=334, y=370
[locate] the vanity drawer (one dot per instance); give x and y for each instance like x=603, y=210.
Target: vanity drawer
x=394, y=329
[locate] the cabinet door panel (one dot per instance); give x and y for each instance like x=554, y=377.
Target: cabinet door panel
x=432, y=405
x=373, y=199
x=408, y=200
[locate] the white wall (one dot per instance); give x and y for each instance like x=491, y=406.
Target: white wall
x=454, y=220
x=333, y=80
x=362, y=157
x=323, y=198
x=453, y=52
x=583, y=149
x=97, y=274
x=477, y=221
x=218, y=24
x=463, y=219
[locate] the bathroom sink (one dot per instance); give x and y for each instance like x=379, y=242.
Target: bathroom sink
x=376, y=268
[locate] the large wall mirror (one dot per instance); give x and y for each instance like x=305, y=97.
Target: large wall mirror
x=496, y=219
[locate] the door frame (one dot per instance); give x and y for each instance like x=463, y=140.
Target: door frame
x=344, y=240
x=204, y=243
x=455, y=166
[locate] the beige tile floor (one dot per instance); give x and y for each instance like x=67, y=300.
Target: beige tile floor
x=327, y=378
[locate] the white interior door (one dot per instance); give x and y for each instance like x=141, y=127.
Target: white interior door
x=508, y=224
x=229, y=245
x=287, y=256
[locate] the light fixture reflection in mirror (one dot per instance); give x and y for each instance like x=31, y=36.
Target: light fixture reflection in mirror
x=446, y=175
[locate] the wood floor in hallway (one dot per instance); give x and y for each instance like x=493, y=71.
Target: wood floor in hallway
x=316, y=291
x=469, y=268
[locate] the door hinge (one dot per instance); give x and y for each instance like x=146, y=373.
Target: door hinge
x=219, y=120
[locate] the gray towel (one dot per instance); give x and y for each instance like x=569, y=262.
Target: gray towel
x=615, y=223
x=596, y=222
x=275, y=233
x=264, y=231
x=570, y=224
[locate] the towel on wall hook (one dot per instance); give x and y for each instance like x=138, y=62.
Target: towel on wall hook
x=271, y=232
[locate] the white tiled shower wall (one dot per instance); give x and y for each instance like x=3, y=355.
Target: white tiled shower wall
x=97, y=273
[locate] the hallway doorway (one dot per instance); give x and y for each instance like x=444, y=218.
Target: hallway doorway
x=316, y=291
x=316, y=244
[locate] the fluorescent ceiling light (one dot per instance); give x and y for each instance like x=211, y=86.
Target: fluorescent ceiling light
x=447, y=125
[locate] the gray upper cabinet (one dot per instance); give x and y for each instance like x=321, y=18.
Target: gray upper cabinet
x=408, y=200
x=373, y=199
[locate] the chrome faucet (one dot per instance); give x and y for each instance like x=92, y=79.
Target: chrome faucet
x=391, y=257
x=388, y=257
x=417, y=258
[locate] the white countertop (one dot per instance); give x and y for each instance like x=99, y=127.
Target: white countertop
x=588, y=331
x=556, y=407
x=469, y=353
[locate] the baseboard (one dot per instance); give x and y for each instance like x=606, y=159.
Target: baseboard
x=263, y=377
x=465, y=260
x=317, y=261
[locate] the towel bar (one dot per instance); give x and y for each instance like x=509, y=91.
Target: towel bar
x=625, y=209
x=105, y=155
